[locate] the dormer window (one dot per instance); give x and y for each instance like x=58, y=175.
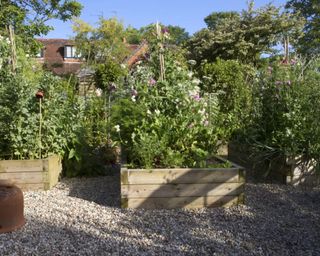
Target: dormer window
x=40, y=53
x=70, y=51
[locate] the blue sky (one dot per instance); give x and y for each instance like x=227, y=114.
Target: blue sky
x=188, y=14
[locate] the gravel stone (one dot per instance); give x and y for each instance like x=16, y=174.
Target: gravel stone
x=81, y=216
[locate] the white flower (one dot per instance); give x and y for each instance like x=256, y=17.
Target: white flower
x=123, y=66
x=8, y=41
x=133, y=98
x=27, y=55
x=98, y=92
x=202, y=111
x=190, y=74
x=192, y=62
x=133, y=135
x=196, y=81
x=157, y=111
x=149, y=112
x=117, y=128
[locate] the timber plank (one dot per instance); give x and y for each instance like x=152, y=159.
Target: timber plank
x=180, y=202
x=24, y=177
x=181, y=190
x=179, y=176
x=7, y=166
x=31, y=186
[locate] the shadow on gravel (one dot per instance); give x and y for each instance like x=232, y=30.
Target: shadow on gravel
x=73, y=238
x=103, y=190
x=286, y=221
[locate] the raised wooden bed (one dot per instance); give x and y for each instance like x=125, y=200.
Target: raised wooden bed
x=182, y=187
x=298, y=171
x=302, y=172
x=40, y=174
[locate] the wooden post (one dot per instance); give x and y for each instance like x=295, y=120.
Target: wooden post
x=13, y=49
x=161, y=57
x=40, y=127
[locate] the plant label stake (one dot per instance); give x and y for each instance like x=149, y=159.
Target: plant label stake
x=39, y=96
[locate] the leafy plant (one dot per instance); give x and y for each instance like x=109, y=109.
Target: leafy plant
x=285, y=120
x=174, y=126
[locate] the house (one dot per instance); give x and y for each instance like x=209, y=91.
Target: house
x=86, y=74
x=59, y=56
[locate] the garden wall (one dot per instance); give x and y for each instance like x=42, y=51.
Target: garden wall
x=39, y=174
x=182, y=188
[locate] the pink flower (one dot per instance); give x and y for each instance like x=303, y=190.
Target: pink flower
x=293, y=62
x=165, y=30
x=152, y=82
x=206, y=123
x=196, y=97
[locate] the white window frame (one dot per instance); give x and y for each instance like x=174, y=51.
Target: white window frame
x=72, y=54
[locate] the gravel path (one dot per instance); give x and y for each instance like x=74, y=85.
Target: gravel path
x=82, y=217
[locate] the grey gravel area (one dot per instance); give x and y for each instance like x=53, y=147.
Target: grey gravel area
x=82, y=217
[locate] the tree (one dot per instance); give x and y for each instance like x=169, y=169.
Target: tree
x=310, y=10
x=133, y=35
x=176, y=35
x=215, y=18
x=244, y=36
x=102, y=43
x=104, y=49
x=29, y=17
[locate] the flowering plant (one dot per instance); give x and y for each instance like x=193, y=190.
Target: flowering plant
x=285, y=119
x=176, y=122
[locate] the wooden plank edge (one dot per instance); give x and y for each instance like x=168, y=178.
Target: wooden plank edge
x=151, y=203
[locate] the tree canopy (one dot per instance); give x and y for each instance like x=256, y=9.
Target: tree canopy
x=310, y=10
x=104, y=42
x=28, y=17
x=243, y=36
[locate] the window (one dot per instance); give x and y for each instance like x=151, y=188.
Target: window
x=71, y=52
x=40, y=53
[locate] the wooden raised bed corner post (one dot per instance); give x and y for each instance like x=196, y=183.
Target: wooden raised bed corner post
x=182, y=187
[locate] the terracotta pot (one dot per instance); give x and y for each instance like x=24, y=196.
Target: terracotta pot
x=11, y=207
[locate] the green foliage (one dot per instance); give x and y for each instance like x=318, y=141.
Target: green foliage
x=103, y=43
x=309, y=9
x=29, y=17
x=232, y=82
x=171, y=124
x=175, y=34
x=108, y=73
x=89, y=152
x=245, y=36
x=285, y=120
x=20, y=115
x=133, y=35
x=215, y=19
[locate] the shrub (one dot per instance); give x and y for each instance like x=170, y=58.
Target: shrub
x=285, y=121
x=172, y=122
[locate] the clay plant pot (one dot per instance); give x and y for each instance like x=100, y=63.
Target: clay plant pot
x=11, y=207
